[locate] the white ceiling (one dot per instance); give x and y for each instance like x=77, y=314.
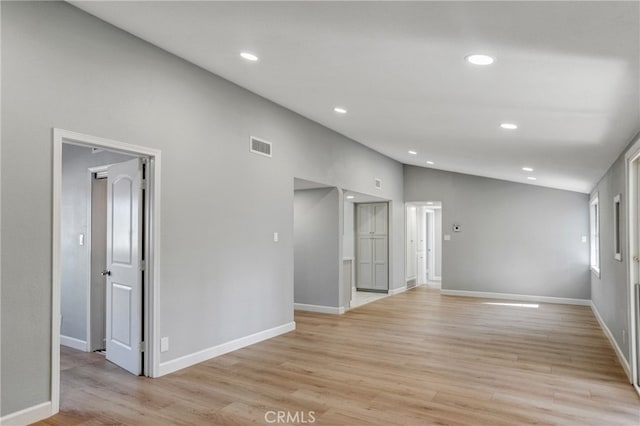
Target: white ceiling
x=566, y=72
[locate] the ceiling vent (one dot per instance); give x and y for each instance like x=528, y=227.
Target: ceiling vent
x=259, y=146
x=378, y=183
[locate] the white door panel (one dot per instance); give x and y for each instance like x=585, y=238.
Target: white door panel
x=124, y=284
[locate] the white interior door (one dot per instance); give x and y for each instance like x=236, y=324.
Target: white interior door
x=124, y=277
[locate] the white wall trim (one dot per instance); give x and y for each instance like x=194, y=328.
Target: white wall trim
x=74, y=343
x=214, y=351
x=612, y=341
x=28, y=415
x=398, y=290
x=319, y=308
x=509, y=296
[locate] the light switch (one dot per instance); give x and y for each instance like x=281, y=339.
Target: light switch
x=164, y=344
x=275, y=237
x=81, y=239
x=447, y=237
x=583, y=239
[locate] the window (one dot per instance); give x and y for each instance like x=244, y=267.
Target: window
x=617, y=246
x=594, y=224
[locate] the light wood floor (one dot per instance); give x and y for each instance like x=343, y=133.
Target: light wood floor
x=417, y=358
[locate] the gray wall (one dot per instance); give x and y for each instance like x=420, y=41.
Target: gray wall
x=220, y=203
x=610, y=291
x=348, y=231
x=437, y=235
x=515, y=238
x=316, y=240
x=76, y=161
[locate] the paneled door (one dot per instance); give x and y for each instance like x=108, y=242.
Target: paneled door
x=372, y=257
x=123, y=273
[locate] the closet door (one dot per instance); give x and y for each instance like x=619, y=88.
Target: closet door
x=372, y=248
x=380, y=263
x=365, y=263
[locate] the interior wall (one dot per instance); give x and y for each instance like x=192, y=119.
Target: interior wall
x=220, y=203
x=516, y=238
x=610, y=291
x=316, y=237
x=348, y=234
x=76, y=196
x=437, y=237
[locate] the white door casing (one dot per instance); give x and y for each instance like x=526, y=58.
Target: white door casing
x=124, y=277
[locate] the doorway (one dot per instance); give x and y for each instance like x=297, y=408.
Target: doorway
x=109, y=250
x=633, y=195
x=365, y=241
x=423, y=244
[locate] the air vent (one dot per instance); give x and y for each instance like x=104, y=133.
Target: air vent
x=259, y=146
x=378, y=183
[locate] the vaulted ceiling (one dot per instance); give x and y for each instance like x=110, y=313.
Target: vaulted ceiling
x=566, y=73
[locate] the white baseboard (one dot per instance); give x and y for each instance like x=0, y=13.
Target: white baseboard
x=28, y=415
x=398, y=290
x=74, y=343
x=612, y=341
x=510, y=296
x=319, y=308
x=206, y=354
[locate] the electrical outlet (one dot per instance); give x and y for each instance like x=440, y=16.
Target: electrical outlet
x=276, y=237
x=164, y=344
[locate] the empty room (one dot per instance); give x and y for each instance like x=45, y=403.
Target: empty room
x=331, y=213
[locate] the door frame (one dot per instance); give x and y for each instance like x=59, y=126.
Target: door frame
x=632, y=162
x=152, y=279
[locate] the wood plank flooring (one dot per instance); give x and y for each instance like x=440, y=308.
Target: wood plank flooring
x=417, y=358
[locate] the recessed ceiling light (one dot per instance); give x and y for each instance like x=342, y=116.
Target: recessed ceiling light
x=350, y=197
x=249, y=56
x=527, y=169
x=531, y=178
x=478, y=59
x=509, y=126
x=431, y=163
x=413, y=153
x=429, y=203
x=340, y=110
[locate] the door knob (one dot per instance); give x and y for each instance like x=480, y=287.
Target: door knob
x=106, y=273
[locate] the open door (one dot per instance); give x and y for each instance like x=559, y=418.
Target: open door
x=123, y=273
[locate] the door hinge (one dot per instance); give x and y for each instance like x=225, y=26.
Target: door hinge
x=143, y=184
x=143, y=265
x=141, y=346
